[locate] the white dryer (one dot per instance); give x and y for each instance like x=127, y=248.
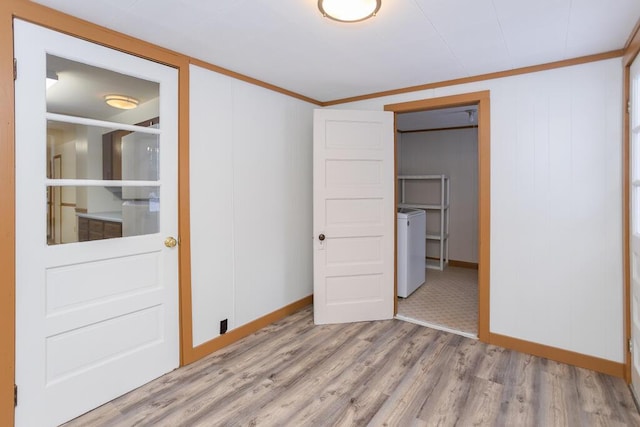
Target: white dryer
x=412, y=229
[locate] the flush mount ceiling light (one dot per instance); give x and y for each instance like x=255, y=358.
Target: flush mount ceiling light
x=121, y=101
x=349, y=10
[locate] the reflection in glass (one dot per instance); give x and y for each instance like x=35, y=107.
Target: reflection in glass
x=83, y=213
x=140, y=156
x=79, y=90
x=88, y=139
x=91, y=152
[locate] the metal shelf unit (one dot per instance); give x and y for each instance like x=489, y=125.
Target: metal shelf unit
x=442, y=209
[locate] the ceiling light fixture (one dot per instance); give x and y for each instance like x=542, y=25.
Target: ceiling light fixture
x=52, y=78
x=349, y=10
x=121, y=101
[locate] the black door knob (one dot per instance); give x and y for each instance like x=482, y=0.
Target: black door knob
x=321, y=237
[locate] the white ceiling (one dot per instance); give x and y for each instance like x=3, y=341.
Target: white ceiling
x=438, y=119
x=80, y=90
x=410, y=42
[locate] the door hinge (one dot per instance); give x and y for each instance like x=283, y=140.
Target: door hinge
x=15, y=69
x=15, y=395
x=630, y=346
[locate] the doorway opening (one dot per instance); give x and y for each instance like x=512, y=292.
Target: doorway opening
x=442, y=171
x=437, y=184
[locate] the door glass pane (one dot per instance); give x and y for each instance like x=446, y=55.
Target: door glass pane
x=140, y=156
x=635, y=180
x=102, y=125
x=635, y=157
x=635, y=98
x=81, y=90
x=83, y=213
x=635, y=219
x=93, y=152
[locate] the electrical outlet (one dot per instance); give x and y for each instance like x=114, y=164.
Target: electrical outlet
x=223, y=326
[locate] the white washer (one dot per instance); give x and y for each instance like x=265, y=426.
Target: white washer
x=412, y=229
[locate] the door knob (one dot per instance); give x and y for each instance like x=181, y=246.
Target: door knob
x=170, y=242
x=321, y=237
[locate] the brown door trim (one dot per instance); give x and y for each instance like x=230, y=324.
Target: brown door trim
x=481, y=99
x=40, y=15
x=626, y=220
x=631, y=50
x=7, y=219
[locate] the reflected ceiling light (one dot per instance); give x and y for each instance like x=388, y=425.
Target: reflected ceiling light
x=52, y=78
x=121, y=101
x=349, y=10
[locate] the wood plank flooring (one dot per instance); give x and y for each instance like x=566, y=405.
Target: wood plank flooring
x=387, y=373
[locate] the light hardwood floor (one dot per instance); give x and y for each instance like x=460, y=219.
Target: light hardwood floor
x=371, y=373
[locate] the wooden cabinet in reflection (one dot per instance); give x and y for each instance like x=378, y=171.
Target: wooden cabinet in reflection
x=97, y=229
x=112, y=154
x=112, y=150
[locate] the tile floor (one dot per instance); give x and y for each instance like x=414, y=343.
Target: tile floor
x=449, y=298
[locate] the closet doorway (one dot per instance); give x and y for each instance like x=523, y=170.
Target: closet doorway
x=438, y=170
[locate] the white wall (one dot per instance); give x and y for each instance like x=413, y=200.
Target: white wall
x=145, y=111
x=69, y=231
x=556, y=205
x=89, y=166
x=62, y=143
x=453, y=153
x=250, y=178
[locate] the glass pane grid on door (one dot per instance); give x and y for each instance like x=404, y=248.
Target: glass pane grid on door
x=102, y=312
x=635, y=155
x=635, y=183
x=102, y=171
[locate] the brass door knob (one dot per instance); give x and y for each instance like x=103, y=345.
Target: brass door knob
x=170, y=242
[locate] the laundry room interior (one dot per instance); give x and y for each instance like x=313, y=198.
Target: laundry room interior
x=437, y=195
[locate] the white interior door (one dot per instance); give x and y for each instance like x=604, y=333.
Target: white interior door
x=635, y=225
x=353, y=216
x=98, y=317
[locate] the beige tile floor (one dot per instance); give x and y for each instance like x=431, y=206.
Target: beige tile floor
x=449, y=298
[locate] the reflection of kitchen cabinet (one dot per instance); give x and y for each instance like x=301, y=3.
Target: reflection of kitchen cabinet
x=112, y=150
x=83, y=229
x=98, y=229
x=112, y=154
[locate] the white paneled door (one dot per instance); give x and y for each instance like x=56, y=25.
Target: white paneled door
x=96, y=316
x=353, y=216
x=635, y=226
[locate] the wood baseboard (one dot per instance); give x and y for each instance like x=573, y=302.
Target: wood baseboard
x=463, y=264
x=454, y=263
x=604, y=366
x=242, y=331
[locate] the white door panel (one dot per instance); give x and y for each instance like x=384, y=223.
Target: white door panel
x=354, y=216
x=635, y=226
x=94, y=319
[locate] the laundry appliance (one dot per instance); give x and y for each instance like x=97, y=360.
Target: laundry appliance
x=412, y=228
